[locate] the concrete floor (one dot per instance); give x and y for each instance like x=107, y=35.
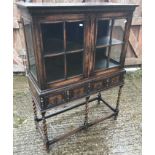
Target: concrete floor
x=120, y=137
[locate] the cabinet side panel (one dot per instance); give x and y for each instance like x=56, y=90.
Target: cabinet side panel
x=39, y=56
x=126, y=38
x=32, y=67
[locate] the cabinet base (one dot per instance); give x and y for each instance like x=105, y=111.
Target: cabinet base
x=43, y=129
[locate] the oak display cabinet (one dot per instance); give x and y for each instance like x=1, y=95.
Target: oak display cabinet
x=74, y=50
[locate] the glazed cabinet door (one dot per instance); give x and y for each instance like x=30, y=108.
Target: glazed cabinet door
x=109, y=40
x=64, y=48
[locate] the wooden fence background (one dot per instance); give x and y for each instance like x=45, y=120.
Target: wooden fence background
x=134, y=51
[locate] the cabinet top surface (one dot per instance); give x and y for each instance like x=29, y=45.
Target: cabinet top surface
x=72, y=5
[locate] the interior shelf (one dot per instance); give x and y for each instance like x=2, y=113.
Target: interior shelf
x=101, y=59
x=75, y=51
x=62, y=53
x=55, y=47
x=53, y=54
x=102, y=63
x=105, y=41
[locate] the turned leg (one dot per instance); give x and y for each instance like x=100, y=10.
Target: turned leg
x=35, y=113
x=117, y=103
x=86, y=112
x=45, y=132
x=99, y=97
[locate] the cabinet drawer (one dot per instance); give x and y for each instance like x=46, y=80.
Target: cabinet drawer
x=115, y=80
x=98, y=85
x=55, y=99
x=78, y=92
x=105, y=83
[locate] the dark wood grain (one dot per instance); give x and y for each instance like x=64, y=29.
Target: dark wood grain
x=74, y=64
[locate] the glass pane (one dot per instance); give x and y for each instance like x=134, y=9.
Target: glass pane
x=103, y=32
x=53, y=41
x=118, y=30
x=54, y=68
x=101, y=58
x=74, y=35
x=28, y=37
x=115, y=55
x=74, y=64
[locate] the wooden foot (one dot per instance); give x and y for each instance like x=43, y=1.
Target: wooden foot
x=47, y=147
x=46, y=142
